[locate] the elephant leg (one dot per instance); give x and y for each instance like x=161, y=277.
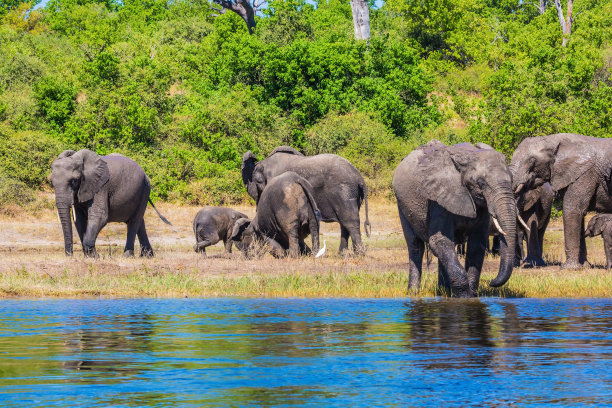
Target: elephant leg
x=304, y=249
x=518, y=249
x=344, y=237
x=575, y=204
x=441, y=241
x=227, y=243
x=145, y=246
x=80, y=223
x=444, y=285
x=97, y=217
x=416, y=249
x=607, y=240
x=132, y=230
x=294, y=244
x=534, y=249
x=495, y=246
x=200, y=247
x=475, y=254
x=355, y=234
x=277, y=249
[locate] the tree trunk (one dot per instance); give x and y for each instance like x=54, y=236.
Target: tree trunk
x=361, y=19
x=565, y=22
x=542, y=8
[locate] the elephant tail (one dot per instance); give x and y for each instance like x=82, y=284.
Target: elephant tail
x=307, y=187
x=158, y=213
x=366, y=225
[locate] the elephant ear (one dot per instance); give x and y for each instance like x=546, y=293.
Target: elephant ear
x=66, y=153
x=572, y=159
x=239, y=227
x=442, y=182
x=249, y=161
x=285, y=149
x=248, y=165
x=95, y=174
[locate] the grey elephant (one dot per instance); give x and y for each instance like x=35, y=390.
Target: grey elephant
x=213, y=224
x=446, y=194
x=579, y=170
x=286, y=214
x=339, y=188
x=601, y=224
x=101, y=189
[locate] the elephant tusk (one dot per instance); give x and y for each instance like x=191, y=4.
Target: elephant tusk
x=73, y=210
x=519, y=188
x=523, y=223
x=499, y=228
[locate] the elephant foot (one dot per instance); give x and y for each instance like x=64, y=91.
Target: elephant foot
x=90, y=252
x=128, y=254
x=147, y=253
x=533, y=263
x=575, y=265
x=463, y=293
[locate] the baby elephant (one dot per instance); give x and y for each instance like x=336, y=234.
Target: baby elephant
x=601, y=224
x=213, y=224
x=286, y=214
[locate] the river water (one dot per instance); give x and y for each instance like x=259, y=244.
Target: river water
x=305, y=352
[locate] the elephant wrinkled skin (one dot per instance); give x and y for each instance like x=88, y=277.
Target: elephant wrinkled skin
x=287, y=212
x=446, y=194
x=101, y=189
x=339, y=188
x=579, y=170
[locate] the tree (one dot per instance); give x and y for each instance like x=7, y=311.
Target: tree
x=244, y=8
x=566, y=23
x=361, y=19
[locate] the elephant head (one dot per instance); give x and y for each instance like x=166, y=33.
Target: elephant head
x=464, y=178
x=76, y=178
x=597, y=224
x=243, y=234
x=559, y=159
x=253, y=175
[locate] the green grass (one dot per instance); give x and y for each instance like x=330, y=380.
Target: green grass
x=144, y=282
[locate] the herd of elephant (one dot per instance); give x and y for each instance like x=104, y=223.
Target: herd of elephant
x=446, y=196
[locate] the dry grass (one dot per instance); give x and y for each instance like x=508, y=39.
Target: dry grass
x=33, y=264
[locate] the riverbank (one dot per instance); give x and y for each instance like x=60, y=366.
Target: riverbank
x=32, y=264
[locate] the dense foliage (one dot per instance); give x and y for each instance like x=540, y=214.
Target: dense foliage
x=186, y=94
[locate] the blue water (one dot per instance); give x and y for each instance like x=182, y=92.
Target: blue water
x=279, y=352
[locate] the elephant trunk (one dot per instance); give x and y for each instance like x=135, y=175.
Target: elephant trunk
x=503, y=208
x=64, y=205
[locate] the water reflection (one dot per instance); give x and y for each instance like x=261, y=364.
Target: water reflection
x=228, y=352
x=459, y=333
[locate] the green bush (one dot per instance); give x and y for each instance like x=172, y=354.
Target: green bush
x=14, y=193
x=27, y=156
x=363, y=141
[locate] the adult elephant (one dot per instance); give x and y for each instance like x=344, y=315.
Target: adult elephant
x=446, y=194
x=339, y=188
x=101, y=189
x=579, y=170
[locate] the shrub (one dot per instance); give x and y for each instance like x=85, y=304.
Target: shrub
x=26, y=156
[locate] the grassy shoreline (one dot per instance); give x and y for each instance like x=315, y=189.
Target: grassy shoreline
x=32, y=265
x=144, y=282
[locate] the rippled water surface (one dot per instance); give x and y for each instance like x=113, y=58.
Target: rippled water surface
x=266, y=352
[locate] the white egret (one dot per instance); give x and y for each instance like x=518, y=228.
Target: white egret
x=321, y=251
